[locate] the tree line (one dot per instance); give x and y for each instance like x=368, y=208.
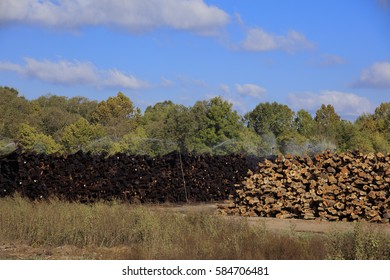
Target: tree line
x=57, y=124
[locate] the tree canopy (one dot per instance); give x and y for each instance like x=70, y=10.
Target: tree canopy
x=53, y=123
x=80, y=134
x=270, y=118
x=117, y=114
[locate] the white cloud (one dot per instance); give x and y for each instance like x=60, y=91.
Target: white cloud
x=251, y=90
x=114, y=78
x=259, y=40
x=345, y=104
x=330, y=60
x=8, y=66
x=224, y=88
x=61, y=72
x=132, y=15
x=73, y=73
x=238, y=19
x=375, y=76
x=186, y=82
x=166, y=82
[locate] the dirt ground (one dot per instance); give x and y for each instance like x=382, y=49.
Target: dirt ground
x=297, y=225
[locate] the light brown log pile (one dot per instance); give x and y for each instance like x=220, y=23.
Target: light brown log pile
x=346, y=187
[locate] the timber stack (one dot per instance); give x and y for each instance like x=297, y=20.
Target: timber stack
x=347, y=187
x=87, y=178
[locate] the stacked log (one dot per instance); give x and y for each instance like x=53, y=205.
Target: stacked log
x=346, y=187
x=87, y=178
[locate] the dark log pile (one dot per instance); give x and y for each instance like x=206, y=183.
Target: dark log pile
x=347, y=187
x=139, y=179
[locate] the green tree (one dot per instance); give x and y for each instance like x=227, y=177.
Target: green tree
x=137, y=142
x=382, y=118
x=53, y=120
x=79, y=135
x=14, y=110
x=215, y=123
x=118, y=115
x=270, y=118
x=380, y=142
x=292, y=142
x=327, y=123
x=160, y=123
x=31, y=140
x=103, y=145
x=208, y=126
x=247, y=142
x=375, y=128
x=367, y=123
x=7, y=145
x=345, y=132
x=81, y=106
x=304, y=124
x=180, y=127
x=51, y=113
x=360, y=142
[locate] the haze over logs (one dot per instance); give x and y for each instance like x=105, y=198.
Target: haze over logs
x=86, y=178
x=347, y=187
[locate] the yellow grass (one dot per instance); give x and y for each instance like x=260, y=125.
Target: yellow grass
x=121, y=231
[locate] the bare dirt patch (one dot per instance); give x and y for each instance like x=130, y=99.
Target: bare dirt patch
x=296, y=225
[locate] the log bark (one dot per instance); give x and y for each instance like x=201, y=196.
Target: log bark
x=347, y=186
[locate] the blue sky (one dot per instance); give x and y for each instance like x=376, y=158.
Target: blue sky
x=302, y=53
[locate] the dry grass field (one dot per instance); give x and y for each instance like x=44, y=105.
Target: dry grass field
x=60, y=230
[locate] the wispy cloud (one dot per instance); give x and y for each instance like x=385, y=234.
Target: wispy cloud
x=187, y=82
x=132, y=15
x=166, y=82
x=258, y=40
x=73, y=73
x=116, y=78
x=376, y=76
x=239, y=94
x=251, y=90
x=346, y=104
x=326, y=60
x=224, y=88
x=384, y=4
